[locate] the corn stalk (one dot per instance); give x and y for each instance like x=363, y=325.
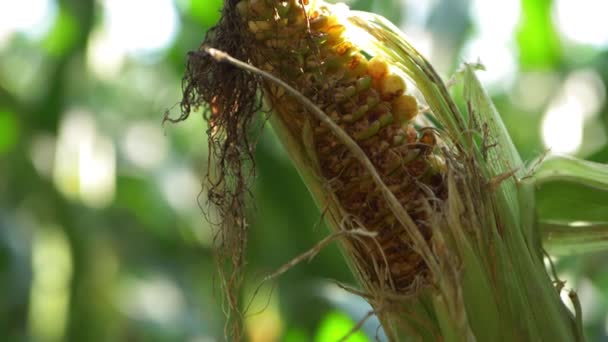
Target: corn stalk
x=433, y=207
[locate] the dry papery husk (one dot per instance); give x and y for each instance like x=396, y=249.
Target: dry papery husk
x=403, y=201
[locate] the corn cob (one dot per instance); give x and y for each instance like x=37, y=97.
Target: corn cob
x=304, y=44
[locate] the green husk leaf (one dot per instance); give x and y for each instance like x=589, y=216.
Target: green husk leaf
x=515, y=205
x=509, y=238
x=570, y=169
x=571, y=202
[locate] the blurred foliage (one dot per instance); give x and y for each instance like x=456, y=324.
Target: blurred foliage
x=101, y=237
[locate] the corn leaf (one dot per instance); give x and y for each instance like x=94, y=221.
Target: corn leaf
x=572, y=204
x=571, y=190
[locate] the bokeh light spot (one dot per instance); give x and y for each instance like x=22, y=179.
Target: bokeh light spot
x=145, y=145
x=562, y=127
x=181, y=188
x=156, y=298
x=85, y=160
x=49, y=296
x=589, y=89
x=104, y=58
x=263, y=320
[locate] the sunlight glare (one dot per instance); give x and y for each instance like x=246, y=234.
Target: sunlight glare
x=562, y=126
x=141, y=28
x=32, y=17
x=492, y=44
x=583, y=21
x=579, y=100
x=498, y=60
x=497, y=19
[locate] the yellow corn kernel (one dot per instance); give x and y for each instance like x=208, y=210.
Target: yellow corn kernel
x=377, y=67
x=331, y=21
x=334, y=33
x=358, y=65
x=392, y=86
x=318, y=22
x=405, y=108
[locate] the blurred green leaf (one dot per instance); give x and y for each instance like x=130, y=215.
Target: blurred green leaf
x=334, y=326
x=566, y=202
x=206, y=12
x=565, y=168
x=391, y=9
x=64, y=34
x=296, y=335
x=570, y=189
x=9, y=131
x=539, y=45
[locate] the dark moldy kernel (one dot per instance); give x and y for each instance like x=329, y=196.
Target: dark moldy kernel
x=370, y=103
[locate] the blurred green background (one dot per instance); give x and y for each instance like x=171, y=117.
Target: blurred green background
x=101, y=236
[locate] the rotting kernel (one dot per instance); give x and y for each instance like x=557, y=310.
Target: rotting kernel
x=377, y=67
x=343, y=48
x=358, y=65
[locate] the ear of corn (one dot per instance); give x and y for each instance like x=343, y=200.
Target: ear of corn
x=466, y=262
x=369, y=100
